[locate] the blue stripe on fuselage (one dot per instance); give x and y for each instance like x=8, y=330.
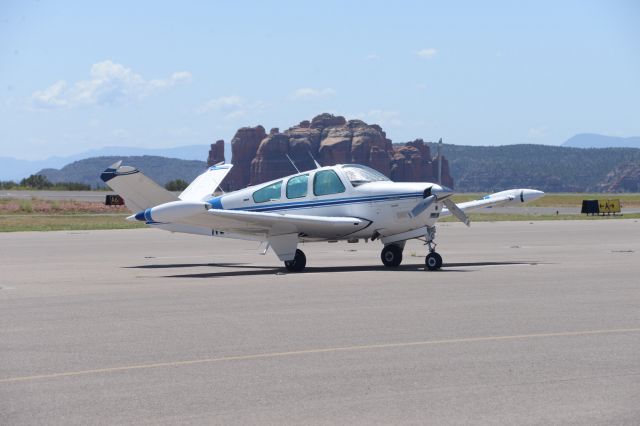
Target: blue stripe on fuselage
x=326, y=202
x=147, y=215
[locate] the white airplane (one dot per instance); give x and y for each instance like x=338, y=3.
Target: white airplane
x=342, y=202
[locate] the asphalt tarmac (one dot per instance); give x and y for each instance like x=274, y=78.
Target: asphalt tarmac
x=527, y=323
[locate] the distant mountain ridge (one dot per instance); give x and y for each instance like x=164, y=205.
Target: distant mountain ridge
x=16, y=169
x=593, y=140
x=544, y=167
x=473, y=168
x=159, y=169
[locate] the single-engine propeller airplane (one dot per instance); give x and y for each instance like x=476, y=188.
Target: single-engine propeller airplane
x=342, y=202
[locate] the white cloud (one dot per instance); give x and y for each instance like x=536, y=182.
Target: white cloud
x=51, y=97
x=225, y=103
x=230, y=106
x=381, y=117
x=429, y=52
x=311, y=93
x=372, y=57
x=109, y=84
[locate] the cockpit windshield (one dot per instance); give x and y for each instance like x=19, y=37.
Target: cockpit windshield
x=358, y=174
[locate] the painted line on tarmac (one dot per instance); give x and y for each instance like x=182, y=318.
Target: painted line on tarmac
x=314, y=351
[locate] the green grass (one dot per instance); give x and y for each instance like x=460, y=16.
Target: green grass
x=67, y=222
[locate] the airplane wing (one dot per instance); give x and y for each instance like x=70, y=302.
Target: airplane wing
x=499, y=198
x=281, y=231
x=257, y=224
x=477, y=204
x=274, y=223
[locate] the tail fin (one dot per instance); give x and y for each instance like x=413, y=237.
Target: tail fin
x=205, y=185
x=139, y=192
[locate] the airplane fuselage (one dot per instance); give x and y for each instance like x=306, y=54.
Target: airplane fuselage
x=383, y=205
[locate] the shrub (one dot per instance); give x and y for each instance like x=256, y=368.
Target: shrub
x=176, y=185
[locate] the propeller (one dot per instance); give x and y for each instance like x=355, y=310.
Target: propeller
x=422, y=206
x=439, y=193
x=456, y=211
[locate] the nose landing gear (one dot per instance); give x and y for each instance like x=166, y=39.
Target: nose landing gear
x=433, y=261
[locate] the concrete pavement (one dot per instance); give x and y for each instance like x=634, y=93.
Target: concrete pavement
x=527, y=323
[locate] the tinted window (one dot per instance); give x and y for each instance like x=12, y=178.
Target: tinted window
x=268, y=193
x=327, y=182
x=297, y=186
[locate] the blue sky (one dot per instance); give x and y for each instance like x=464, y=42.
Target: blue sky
x=81, y=75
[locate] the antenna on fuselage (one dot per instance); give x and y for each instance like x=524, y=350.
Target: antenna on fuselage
x=292, y=163
x=440, y=162
x=318, y=166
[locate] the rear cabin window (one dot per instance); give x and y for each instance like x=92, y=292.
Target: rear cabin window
x=268, y=193
x=297, y=186
x=327, y=182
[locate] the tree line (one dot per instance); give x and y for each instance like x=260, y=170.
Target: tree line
x=41, y=182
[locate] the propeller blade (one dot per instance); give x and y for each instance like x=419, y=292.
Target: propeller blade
x=422, y=206
x=456, y=211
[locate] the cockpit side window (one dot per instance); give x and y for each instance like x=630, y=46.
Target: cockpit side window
x=297, y=186
x=327, y=182
x=358, y=174
x=268, y=193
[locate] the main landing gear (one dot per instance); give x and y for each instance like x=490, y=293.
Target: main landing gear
x=298, y=263
x=391, y=254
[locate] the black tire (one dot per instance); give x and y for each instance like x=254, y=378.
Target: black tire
x=391, y=256
x=433, y=261
x=298, y=263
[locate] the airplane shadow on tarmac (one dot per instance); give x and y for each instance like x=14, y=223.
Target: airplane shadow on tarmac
x=255, y=270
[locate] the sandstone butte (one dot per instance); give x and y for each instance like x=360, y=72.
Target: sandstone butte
x=259, y=157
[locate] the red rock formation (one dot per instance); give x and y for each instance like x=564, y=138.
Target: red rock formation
x=216, y=153
x=258, y=157
x=244, y=147
x=325, y=120
x=271, y=160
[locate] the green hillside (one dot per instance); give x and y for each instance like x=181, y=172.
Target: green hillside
x=549, y=168
x=159, y=169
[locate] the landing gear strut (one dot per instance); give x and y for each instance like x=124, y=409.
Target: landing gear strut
x=298, y=263
x=433, y=261
x=391, y=255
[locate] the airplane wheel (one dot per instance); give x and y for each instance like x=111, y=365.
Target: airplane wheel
x=433, y=261
x=298, y=263
x=391, y=256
